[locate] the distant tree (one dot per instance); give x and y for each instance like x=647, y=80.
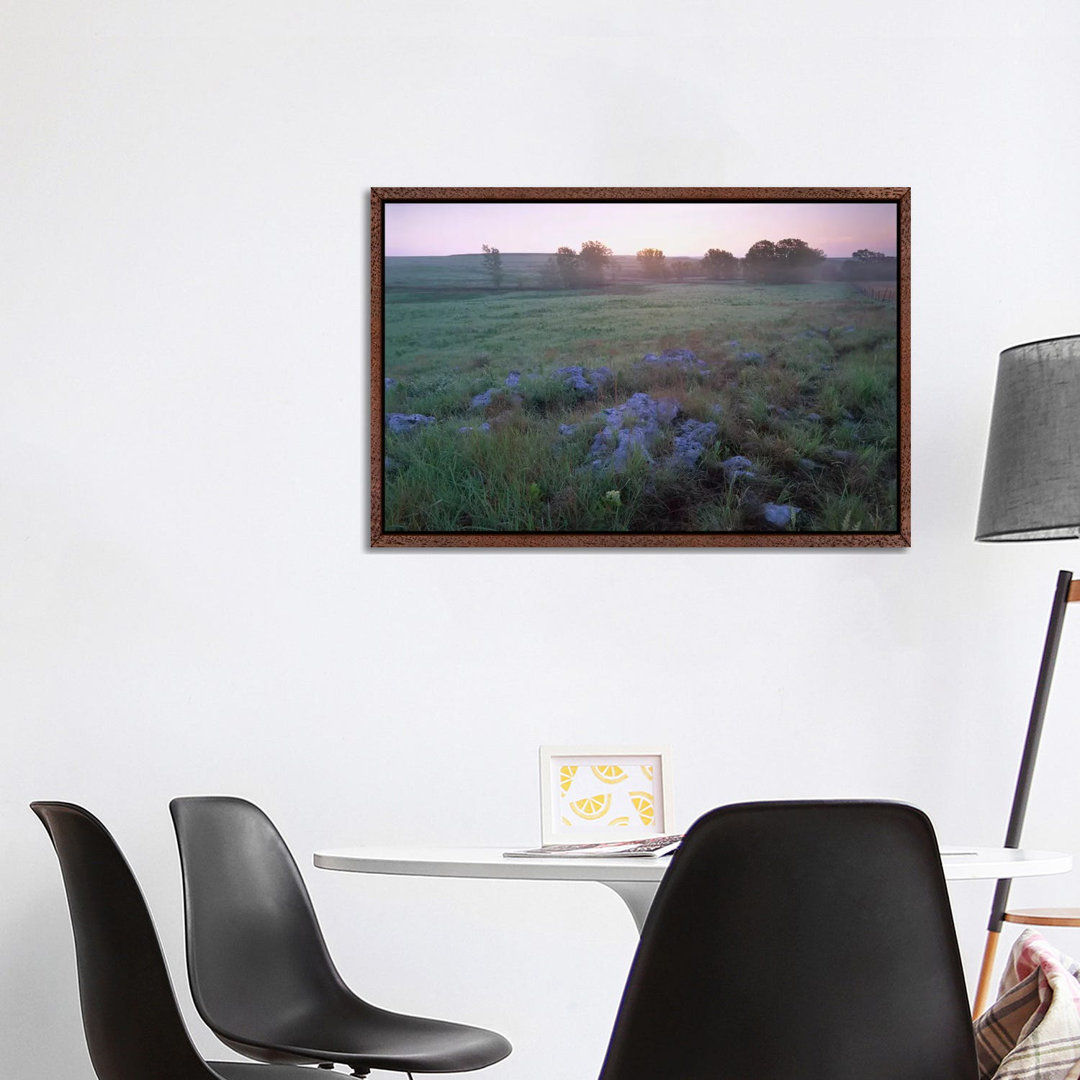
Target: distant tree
x=760, y=261
x=785, y=261
x=867, y=265
x=680, y=268
x=549, y=275
x=569, y=267
x=652, y=262
x=797, y=256
x=493, y=264
x=719, y=264
x=593, y=261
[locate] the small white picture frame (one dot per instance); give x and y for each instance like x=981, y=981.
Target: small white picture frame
x=596, y=793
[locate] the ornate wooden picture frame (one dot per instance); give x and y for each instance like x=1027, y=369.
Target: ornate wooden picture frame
x=640, y=367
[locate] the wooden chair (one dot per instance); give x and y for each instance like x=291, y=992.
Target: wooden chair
x=1050, y=916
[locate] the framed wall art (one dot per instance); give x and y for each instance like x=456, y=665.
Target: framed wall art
x=641, y=367
x=596, y=793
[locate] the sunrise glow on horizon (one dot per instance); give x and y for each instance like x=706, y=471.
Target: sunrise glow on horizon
x=677, y=228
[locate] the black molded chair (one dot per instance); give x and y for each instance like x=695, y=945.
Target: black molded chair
x=259, y=969
x=798, y=941
x=133, y=1026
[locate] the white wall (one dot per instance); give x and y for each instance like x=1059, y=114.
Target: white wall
x=188, y=604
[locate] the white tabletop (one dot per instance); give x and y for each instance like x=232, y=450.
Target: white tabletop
x=960, y=863
x=636, y=880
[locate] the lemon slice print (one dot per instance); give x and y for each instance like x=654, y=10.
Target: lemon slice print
x=566, y=777
x=624, y=820
x=646, y=771
x=609, y=774
x=643, y=804
x=592, y=807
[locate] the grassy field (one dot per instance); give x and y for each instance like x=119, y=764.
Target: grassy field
x=798, y=380
x=461, y=271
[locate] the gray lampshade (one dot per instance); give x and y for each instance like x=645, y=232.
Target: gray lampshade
x=1031, y=485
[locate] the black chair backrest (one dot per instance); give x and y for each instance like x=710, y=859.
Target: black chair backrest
x=798, y=941
x=255, y=951
x=132, y=1022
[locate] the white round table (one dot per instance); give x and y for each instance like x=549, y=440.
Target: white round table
x=636, y=879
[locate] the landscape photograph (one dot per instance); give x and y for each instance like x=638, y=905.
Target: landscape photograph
x=710, y=370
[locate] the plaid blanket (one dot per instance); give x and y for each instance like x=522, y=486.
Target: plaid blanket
x=1032, y=1031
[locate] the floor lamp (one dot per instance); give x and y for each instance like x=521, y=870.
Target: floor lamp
x=1031, y=491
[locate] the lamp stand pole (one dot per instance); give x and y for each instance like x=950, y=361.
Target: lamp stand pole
x=1063, y=594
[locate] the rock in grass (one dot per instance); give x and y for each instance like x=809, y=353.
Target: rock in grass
x=845, y=457
x=480, y=428
x=694, y=437
x=512, y=379
x=482, y=401
x=682, y=359
x=389, y=383
x=574, y=377
x=567, y=429
x=584, y=380
x=667, y=410
x=402, y=422
x=779, y=515
x=630, y=428
x=630, y=443
x=751, y=357
x=738, y=466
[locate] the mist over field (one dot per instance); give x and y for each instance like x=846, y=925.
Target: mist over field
x=535, y=393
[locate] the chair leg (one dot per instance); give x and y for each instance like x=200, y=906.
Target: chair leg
x=987, y=970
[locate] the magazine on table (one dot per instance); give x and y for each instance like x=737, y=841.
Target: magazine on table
x=649, y=847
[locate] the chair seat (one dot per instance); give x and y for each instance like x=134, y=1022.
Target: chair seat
x=364, y=1037
x=1044, y=916
x=378, y=1039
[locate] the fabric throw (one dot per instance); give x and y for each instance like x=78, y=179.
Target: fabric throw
x=1032, y=1031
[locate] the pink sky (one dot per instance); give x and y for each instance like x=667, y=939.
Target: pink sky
x=677, y=228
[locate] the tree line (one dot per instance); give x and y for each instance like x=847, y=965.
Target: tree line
x=766, y=262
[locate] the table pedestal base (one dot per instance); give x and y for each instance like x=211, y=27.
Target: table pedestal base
x=637, y=896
